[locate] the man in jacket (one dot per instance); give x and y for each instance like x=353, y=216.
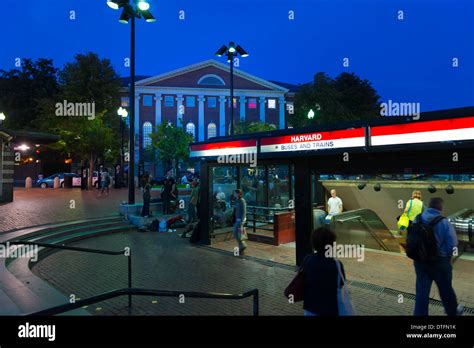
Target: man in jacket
x=440, y=271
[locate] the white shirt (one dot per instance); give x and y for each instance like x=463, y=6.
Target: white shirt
x=334, y=205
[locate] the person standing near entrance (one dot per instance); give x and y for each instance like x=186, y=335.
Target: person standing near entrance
x=439, y=270
x=193, y=201
x=240, y=211
x=334, y=205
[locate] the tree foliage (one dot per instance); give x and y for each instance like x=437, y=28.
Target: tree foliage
x=252, y=127
x=172, y=144
x=345, y=98
x=24, y=91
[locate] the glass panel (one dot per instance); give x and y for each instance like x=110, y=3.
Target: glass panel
x=278, y=186
x=253, y=184
x=223, y=185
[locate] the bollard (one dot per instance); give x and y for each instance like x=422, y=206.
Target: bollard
x=28, y=183
x=56, y=183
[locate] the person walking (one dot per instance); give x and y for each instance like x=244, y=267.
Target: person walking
x=439, y=270
x=240, y=212
x=321, y=275
x=414, y=206
x=193, y=201
x=146, y=196
x=105, y=177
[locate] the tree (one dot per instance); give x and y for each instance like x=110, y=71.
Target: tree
x=251, y=127
x=24, y=91
x=88, y=79
x=345, y=98
x=172, y=144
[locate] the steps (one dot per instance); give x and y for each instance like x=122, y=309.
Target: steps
x=21, y=292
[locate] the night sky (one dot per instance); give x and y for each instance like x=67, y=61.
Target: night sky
x=407, y=60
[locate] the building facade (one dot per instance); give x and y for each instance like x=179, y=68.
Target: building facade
x=6, y=168
x=197, y=97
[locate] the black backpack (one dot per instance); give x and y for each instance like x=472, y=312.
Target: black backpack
x=421, y=240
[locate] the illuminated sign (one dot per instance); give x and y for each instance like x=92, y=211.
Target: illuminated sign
x=454, y=129
x=314, y=141
x=224, y=148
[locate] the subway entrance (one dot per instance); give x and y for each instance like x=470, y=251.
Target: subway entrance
x=289, y=190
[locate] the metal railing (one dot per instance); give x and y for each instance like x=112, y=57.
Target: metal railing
x=129, y=291
x=85, y=250
x=148, y=292
x=364, y=223
x=266, y=212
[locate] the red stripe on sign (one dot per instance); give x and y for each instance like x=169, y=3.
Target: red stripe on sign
x=224, y=145
x=314, y=136
x=424, y=126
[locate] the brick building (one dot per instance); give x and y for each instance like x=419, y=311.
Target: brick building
x=198, y=98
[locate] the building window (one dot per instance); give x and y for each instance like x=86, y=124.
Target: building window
x=211, y=80
x=124, y=102
x=190, y=102
x=272, y=103
x=147, y=129
x=191, y=129
x=211, y=130
x=147, y=100
x=211, y=102
x=252, y=103
x=169, y=101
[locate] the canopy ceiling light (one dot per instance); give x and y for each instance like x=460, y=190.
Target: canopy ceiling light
x=377, y=187
x=431, y=188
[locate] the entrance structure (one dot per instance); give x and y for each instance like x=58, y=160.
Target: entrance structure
x=293, y=165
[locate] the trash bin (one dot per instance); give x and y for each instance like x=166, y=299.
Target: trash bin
x=67, y=181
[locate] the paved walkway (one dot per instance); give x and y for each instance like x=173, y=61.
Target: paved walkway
x=38, y=206
x=389, y=270
x=165, y=261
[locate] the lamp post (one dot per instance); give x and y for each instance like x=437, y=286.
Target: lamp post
x=231, y=52
x=132, y=9
x=2, y=117
x=123, y=116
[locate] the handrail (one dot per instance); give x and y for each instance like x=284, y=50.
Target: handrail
x=94, y=251
x=267, y=208
x=365, y=224
x=149, y=292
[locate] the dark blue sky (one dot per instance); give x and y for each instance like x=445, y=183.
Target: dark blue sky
x=407, y=61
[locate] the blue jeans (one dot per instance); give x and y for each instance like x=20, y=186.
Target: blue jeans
x=192, y=215
x=310, y=314
x=441, y=272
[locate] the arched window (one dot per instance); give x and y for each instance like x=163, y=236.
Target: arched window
x=211, y=80
x=191, y=129
x=211, y=130
x=147, y=129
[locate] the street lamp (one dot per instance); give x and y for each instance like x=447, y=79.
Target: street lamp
x=122, y=112
x=231, y=52
x=132, y=9
x=2, y=117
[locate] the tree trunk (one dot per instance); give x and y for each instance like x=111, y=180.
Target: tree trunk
x=91, y=171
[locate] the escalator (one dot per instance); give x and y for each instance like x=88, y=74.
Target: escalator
x=463, y=222
x=364, y=227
